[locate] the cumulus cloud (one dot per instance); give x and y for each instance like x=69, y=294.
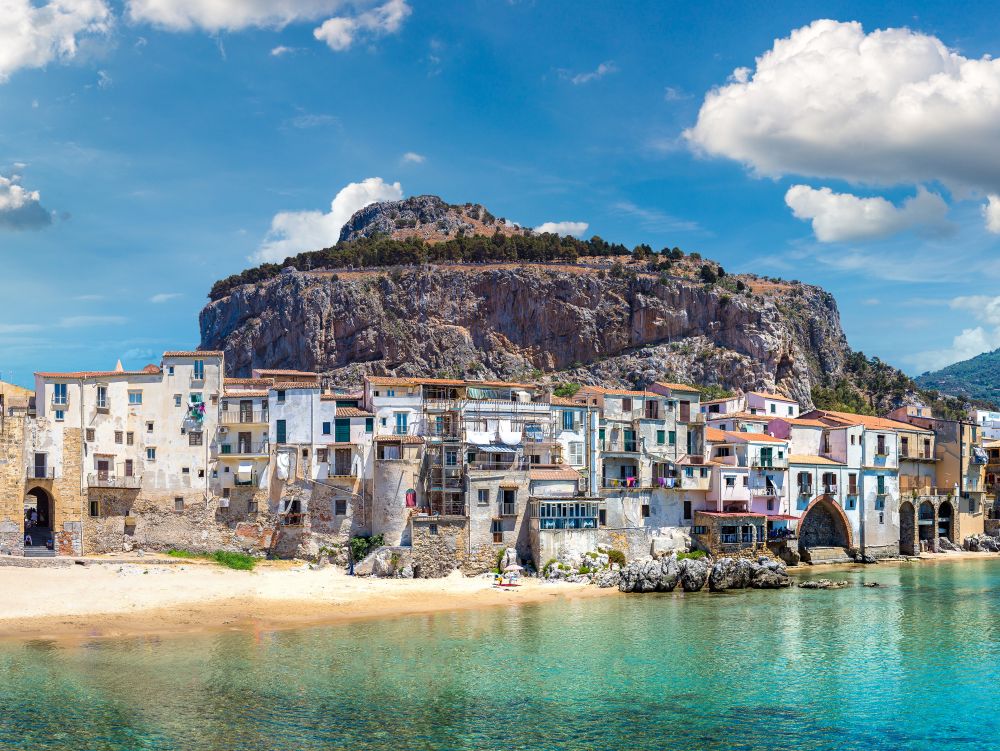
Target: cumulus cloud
x=985, y=309
x=228, y=15
x=563, y=228
x=412, y=157
x=890, y=107
x=19, y=208
x=297, y=231
x=599, y=72
x=33, y=35
x=341, y=32
x=991, y=213
x=844, y=217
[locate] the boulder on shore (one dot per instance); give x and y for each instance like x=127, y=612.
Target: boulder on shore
x=693, y=573
x=982, y=544
x=946, y=545
x=650, y=575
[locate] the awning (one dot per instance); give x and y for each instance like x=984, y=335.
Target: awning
x=244, y=471
x=496, y=448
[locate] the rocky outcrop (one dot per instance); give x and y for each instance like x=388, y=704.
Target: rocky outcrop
x=947, y=546
x=982, y=544
x=387, y=563
x=577, y=322
x=664, y=574
x=823, y=584
x=650, y=575
x=693, y=573
x=426, y=217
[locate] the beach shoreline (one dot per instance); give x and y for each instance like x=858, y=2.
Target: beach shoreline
x=148, y=598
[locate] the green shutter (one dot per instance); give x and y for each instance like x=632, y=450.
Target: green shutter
x=343, y=430
x=673, y=437
x=282, y=433
x=661, y=436
x=369, y=424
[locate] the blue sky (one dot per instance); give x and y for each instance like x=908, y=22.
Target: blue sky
x=149, y=157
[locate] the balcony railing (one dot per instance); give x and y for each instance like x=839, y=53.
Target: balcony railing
x=244, y=417
x=60, y=402
x=765, y=462
x=620, y=445
x=41, y=473
x=238, y=448
x=293, y=519
x=246, y=481
x=508, y=509
x=106, y=480
x=731, y=539
x=518, y=465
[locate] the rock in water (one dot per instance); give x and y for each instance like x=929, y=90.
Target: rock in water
x=765, y=578
x=982, y=544
x=650, y=576
x=723, y=576
x=693, y=573
x=947, y=545
x=608, y=578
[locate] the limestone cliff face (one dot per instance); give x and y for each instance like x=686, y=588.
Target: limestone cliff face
x=530, y=321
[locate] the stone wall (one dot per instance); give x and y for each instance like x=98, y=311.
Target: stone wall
x=12, y=472
x=437, y=544
x=393, y=477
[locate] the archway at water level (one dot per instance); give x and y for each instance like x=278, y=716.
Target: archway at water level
x=824, y=525
x=907, y=533
x=39, y=510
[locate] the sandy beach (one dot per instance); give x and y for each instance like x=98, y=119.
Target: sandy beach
x=133, y=598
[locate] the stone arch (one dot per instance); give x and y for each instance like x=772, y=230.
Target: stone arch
x=927, y=523
x=44, y=504
x=946, y=520
x=825, y=525
x=907, y=528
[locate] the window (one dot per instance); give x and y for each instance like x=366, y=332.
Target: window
x=60, y=415
x=150, y=454
x=177, y=400
x=852, y=440
x=852, y=483
x=881, y=484
x=881, y=518
x=383, y=422
x=661, y=437
x=627, y=404
x=567, y=419
x=880, y=448
x=170, y=370
x=687, y=509
x=432, y=529
x=904, y=446
x=282, y=431
x=195, y=438
x=369, y=425
x=774, y=408
x=730, y=481
x=102, y=397
x=704, y=472
x=135, y=397
x=791, y=411
x=95, y=508
x=281, y=396
x=746, y=481
x=496, y=527
x=575, y=452
x=59, y=394
x=770, y=504
x=340, y=506
x=305, y=453
x=327, y=427
x=401, y=423
x=322, y=455
x=851, y=503
x=178, y=504
x=342, y=430
x=699, y=529
x=199, y=370
x=805, y=483
x=645, y=511
x=672, y=437
x=390, y=392
x=90, y=434
x=129, y=438
x=185, y=470
x=879, y=503
x=226, y=492
x=149, y=427
x=195, y=397
x=484, y=497
x=251, y=506
x=451, y=458
x=201, y=474
x=602, y=517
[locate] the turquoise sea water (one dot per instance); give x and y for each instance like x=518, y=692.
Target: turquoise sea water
x=911, y=665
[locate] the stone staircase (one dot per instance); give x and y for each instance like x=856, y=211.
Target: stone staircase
x=826, y=555
x=37, y=551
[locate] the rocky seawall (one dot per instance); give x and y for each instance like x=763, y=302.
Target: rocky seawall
x=524, y=320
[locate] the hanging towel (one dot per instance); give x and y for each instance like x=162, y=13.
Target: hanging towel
x=282, y=465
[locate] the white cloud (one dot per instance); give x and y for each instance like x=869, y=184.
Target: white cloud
x=20, y=208
x=412, y=157
x=655, y=220
x=340, y=32
x=228, y=15
x=33, y=35
x=162, y=297
x=103, y=79
x=674, y=94
x=991, y=213
x=599, y=72
x=890, y=107
x=985, y=309
x=281, y=50
x=563, y=228
x=297, y=231
x=844, y=217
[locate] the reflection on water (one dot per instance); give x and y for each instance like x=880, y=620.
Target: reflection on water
x=910, y=665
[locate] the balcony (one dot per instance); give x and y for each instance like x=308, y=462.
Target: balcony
x=260, y=448
x=245, y=482
x=293, y=519
x=107, y=480
x=508, y=509
x=244, y=417
x=768, y=462
x=41, y=473
x=620, y=446
x=60, y=402
x=103, y=406
x=517, y=465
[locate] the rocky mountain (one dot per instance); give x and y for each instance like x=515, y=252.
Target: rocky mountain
x=976, y=378
x=426, y=217
x=460, y=298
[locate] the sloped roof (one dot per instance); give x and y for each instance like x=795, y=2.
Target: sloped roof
x=801, y=422
x=564, y=473
x=774, y=397
x=352, y=412
x=679, y=387
x=811, y=459
x=195, y=353
x=148, y=370
x=847, y=419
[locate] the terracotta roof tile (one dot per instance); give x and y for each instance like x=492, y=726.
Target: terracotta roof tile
x=352, y=412
x=389, y=438
x=237, y=393
x=679, y=387
x=773, y=397
x=102, y=373
x=801, y=422
x=847, y=419
x=564, y=473
x=810, y=459
x=289, y=385
x=247, y=381
x=195, y=353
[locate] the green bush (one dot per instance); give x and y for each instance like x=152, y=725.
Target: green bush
x=616, y=556
x=362, y=546
x=566, y=390
x=695, y=554
x=548, y=566
x=238, y=561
